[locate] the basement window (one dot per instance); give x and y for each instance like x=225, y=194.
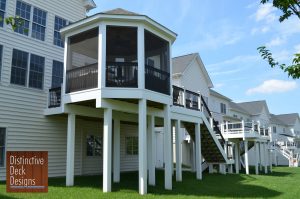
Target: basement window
x=93, y=145
x=2, y=146
x=132, y=145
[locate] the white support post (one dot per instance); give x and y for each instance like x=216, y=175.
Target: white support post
x=230, y=170
x=260, y=156
x=270, y=161
x=237, y=154
x=152, y=155
x=141, y=57
x=107, y=142
x=243, y=127
x=116, y=151
x=227, y=130
x=70, y=150
x=210, y=168
x=178, y=151
x=167, y=148
x=266, y=157
x=102, y=55
x=142, y=146
x=198, y=152
x=193, y=156
x=252, y=125
x=256, y=148
x=211, y=122
x=246, y=157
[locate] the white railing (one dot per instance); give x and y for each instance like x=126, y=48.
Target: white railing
x=244, y=128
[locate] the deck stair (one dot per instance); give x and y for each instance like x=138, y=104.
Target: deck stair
x=289, y=154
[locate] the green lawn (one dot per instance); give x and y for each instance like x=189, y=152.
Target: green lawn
x=284, y=182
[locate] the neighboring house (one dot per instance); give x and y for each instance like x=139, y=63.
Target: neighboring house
x=31, y=62
x=219, y=106
x=285, y=135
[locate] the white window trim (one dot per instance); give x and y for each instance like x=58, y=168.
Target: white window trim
x=5, y=145
x=28, y=72
x=39, y=24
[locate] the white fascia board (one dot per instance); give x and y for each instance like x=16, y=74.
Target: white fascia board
x=121, y=18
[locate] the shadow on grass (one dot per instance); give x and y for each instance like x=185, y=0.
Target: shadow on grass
x=214, y=185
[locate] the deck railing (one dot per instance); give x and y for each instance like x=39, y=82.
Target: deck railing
x=122, y=74
x=244, y=128
x=82, y=78
x=54, y=97
x=192, y=100
x=178, y=96
x=157, y=80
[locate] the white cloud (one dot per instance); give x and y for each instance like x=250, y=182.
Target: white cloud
x=218, y=85
x=276, y=42
x=273, y=86
x=266, y=13
x=297, y=48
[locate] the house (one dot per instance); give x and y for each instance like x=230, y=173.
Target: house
x=118, y=68
x=285, y=136
x=31, y=62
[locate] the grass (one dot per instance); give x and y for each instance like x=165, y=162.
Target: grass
x=282, y=183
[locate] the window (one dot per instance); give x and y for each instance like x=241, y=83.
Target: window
x=274, y=129
x=39, y=24
x=2, y=146
x=2, y=11
x=223, y=108
x=19, y=67
x=59, y=23
x=93, y=145
x=36, y=73
x=235, y=116
x=23, y=10
x=132, y=145
x=57, y=74
x=283, y=130
x=1, y=50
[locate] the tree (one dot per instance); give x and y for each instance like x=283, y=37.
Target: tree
x=14, y=22
x=288, y=8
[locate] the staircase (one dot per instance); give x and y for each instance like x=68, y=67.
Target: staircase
x=212, y=141
x=292, y=157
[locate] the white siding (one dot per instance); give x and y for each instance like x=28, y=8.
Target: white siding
x=94, y=165
x=21, y=108
x=194, y=79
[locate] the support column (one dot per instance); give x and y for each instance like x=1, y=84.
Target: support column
x=178, y=151
x=167, y=148
x=230, y=169
x=237, y=154
x=270, y=160
x=198, y=152
x=107, y=142
x=193, y=156
x=246, y=157
x=210, y=168
x=266, y=158
x=260, y=156
x=142, y=146
x=256, y=149
x=116, y=150
x=151, y=149
x=70, y=150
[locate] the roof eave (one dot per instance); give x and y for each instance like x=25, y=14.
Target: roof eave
x=97, y=17
x=89, y=4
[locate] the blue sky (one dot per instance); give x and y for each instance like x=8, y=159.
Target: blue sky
x=226, y=34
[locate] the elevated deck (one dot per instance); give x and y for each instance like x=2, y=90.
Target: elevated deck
x=245, y=130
